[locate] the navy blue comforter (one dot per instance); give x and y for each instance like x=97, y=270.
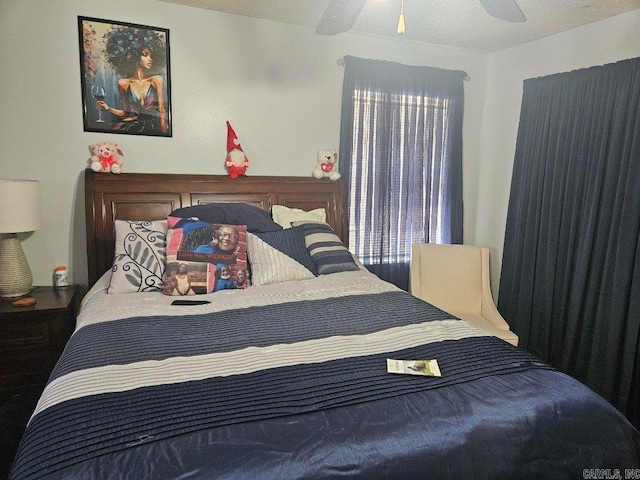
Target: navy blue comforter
x=299, y=390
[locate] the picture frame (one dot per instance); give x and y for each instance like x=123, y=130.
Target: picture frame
x=125, y=77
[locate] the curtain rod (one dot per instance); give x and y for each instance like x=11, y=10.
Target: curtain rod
x=341, y=62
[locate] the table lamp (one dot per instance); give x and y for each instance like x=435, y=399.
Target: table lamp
x=19, y=212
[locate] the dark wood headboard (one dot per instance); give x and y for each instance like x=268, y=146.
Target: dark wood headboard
x=143, y=196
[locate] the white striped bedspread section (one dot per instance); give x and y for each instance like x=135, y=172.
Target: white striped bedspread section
x=123, y=381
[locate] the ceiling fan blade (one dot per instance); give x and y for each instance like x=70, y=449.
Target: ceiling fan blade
x=339, y=16
x=507, y=10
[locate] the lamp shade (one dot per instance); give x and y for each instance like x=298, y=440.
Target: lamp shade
x=19, y=206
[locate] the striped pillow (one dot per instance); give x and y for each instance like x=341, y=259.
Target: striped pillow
x=327, y=251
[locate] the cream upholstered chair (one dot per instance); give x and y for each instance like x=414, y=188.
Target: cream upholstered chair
x=455, y=278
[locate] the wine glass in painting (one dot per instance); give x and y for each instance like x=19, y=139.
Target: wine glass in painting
x=98, y=93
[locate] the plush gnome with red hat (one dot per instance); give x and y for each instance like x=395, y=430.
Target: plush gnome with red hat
x=236, y=162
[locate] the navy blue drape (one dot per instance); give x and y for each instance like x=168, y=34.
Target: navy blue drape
x=401, y=158
x=570, y=284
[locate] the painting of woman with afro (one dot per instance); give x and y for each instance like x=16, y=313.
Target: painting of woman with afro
x=125, y=74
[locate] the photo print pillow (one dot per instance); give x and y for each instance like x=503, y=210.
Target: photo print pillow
x=204, y=257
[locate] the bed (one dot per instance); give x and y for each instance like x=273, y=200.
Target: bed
x=289, y=379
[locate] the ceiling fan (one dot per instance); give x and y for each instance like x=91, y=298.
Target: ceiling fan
x=340, y=15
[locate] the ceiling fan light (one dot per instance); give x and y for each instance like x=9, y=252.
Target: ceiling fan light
x=401, y=24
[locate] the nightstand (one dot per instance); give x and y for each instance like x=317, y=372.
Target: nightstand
x=31, y=341
x=32, y=338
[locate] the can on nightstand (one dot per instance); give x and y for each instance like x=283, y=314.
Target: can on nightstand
x=60, y=277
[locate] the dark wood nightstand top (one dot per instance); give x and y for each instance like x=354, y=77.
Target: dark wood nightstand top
x=47, y=298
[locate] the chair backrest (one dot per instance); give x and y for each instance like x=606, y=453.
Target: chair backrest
x=449, y=276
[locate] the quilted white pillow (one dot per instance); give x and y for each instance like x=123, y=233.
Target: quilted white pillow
x=140, y=256
x=285, y=216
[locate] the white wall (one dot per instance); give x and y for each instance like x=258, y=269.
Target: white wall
x=277, y=84
x=603, y=42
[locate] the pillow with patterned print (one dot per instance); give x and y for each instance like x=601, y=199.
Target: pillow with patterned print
x=204, y=257
x=140, y=256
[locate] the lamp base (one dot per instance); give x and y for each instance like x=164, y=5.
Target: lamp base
x=15, y=275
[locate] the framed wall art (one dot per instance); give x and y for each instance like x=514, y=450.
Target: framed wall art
x=125, y=77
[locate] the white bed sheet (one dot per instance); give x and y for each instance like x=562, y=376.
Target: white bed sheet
x=98, y=305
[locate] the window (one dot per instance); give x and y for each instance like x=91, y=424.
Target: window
x=401, y=157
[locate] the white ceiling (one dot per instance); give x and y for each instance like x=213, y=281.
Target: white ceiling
x=461, y=24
